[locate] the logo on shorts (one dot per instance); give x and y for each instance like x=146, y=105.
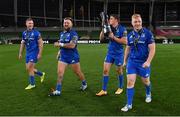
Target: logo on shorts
x=72, y=61
x=119, y=64
x=31, y=60
x=147, y=75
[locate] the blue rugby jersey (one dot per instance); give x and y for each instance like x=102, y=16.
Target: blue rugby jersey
x=138, y=42
x=115, y=48
x=66, y=37
x=31, y=37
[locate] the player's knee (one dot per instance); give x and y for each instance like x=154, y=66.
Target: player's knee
x=146, y=81
x=60, y=73
x=105, y=72
x=30, y=68
x=78, y=72
x=119, y=71
x=130, y=84
x=60, y=78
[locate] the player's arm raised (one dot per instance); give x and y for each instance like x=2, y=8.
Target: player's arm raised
x=21, y=49
x=122, y=40
x=40, y=44
x=126, y=53
x=101, y=36
x=72, y=43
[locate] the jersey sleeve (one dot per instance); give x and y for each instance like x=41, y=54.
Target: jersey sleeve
x=23, y=37
x=38, y=34
x=150, y=38
x=122, y=33
x=60, y=36
x=74, y=37
x=128, y=38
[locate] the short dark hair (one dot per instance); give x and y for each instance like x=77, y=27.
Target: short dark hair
x=29, y=19
x=68, y=18
x=116, y=17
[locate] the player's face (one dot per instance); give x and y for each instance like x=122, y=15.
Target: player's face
x=67, y=24
x=112, y=20
x=137, y=23
x=29, y=25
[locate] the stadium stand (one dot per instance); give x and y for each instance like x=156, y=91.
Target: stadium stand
x=161, y=16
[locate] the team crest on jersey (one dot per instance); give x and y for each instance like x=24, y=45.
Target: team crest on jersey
x=65, y=37
x=142, y=35
x=131, y=37
x=32, y=34
x=68, y=34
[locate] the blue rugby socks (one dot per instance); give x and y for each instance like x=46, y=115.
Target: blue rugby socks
x=130, y=94
x=31, y=80
x=83, y=82
x=105, y=82
x=38, y=73
x=58, y=87
x=148, y=89
x=121, y=81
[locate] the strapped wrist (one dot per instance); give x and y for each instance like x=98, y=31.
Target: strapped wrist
x=61, y=44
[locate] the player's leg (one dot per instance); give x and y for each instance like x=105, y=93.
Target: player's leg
x=131, y=71
x=145, y=76
x=60, y=71
x=131, y=79
x=119, y=70
x=30, y=68
x=105, y=79
x=77, y=70
x=39, y=73
x=147, y=84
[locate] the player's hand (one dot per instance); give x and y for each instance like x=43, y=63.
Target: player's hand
x=111, y=35
x=124, y=65
x=56, y=44
x=146, y=64
x=20, y=56
x=39, y=56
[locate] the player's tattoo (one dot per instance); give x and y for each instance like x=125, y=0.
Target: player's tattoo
x=75, y=39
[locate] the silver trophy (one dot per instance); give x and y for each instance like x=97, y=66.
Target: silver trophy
x=105, y=23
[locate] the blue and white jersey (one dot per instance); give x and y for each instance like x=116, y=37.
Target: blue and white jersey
x=31, y=37
x=67, y=37
x=138, y=42
x=115, y=48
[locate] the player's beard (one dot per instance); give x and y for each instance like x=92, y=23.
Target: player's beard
x=67, y=29
x=30, y=28
x=138, y=28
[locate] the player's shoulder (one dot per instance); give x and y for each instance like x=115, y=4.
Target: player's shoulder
x=147, y=31
x=73, y=32
x=130, y=33
x=36, y=30
x=24, y=32
x=122, y=27
x=60, y=33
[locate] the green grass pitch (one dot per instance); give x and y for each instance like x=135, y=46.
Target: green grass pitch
x=14, y=100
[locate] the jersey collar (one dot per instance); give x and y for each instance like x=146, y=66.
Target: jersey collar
x=139, y=32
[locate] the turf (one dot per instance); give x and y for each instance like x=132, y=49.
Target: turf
x=14, y=100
